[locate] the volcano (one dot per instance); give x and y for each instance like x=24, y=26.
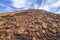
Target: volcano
x=31, y=24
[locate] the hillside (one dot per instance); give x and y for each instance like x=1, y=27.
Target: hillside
x=30, y=25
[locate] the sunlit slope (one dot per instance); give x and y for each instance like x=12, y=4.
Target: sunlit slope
x=29, y=25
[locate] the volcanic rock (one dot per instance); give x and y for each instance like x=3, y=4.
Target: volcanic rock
x=29, y=25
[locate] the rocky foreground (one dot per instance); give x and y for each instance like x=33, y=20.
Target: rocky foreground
x=30, y=25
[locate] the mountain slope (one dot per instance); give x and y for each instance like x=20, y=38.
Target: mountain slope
x=30, y=25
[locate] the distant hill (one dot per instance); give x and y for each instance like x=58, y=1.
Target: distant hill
x=29, y=25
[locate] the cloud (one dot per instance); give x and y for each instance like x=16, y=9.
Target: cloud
x=18, y=3
x=26, y=4
x=48, y=5
x=5, y=8
x=51, y=5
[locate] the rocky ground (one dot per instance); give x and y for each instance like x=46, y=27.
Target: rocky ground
x=30, y=25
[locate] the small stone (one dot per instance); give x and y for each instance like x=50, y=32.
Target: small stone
x=8, y=30
x=37, y=33
x=1, y=36
x=54, y=30
x=45, y=39
x=34, y=38
x=17, y=24
x=26, y=32
x=43, y=31
x=9, y=37
x=44, y=25
x=20, y=31
x=50, y=21
x=11, y=14
x=26, y=20
x=2, y=22
x=37, y=27
x=48, y=18
x=57, y=20
x=54, y=24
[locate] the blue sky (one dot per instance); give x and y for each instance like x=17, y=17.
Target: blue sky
x=13, y=5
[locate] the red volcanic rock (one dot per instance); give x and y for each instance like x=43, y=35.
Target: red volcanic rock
x=30, y=25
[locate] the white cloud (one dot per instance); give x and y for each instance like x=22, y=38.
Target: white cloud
x=36, y=6
x=50, y=5
x=6, y=8
x=56, y=4
x=22, y=3
x=18, y=3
